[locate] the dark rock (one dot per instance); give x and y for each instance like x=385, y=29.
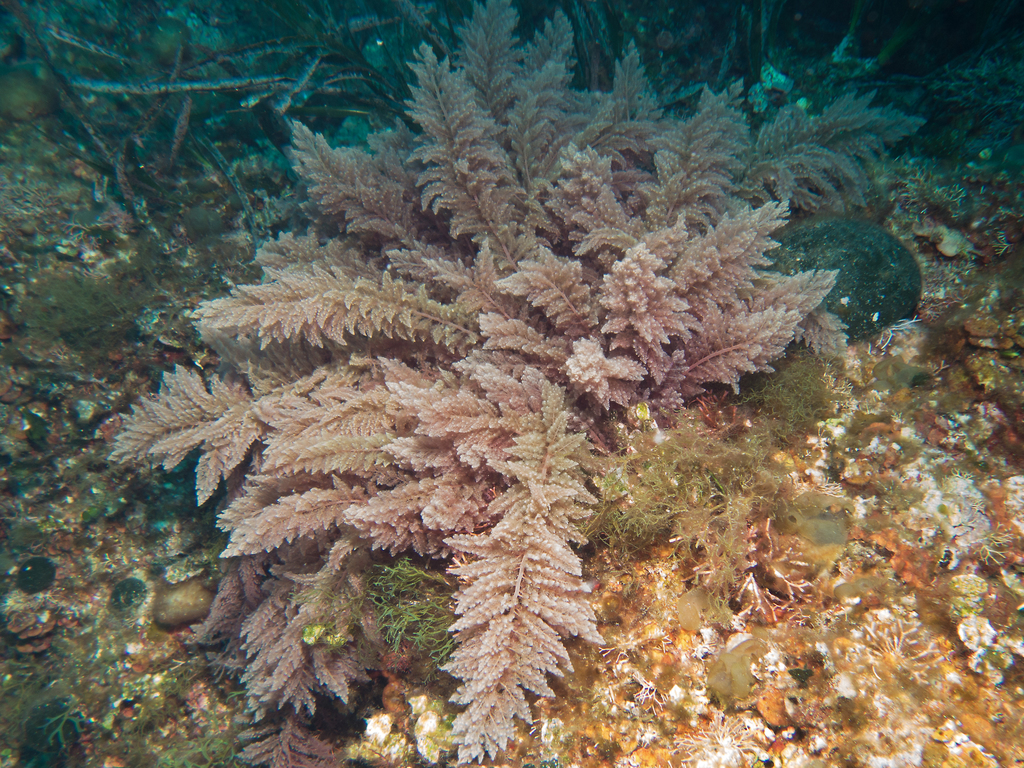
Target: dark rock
x=36, y=574
x=879, y=282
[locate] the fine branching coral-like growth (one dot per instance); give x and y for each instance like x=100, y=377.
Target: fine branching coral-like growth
x=420, y=370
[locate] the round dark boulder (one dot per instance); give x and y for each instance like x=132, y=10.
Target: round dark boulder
x=35, y=575
x=879, y=282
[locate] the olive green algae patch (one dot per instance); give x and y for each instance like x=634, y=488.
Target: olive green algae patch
x=27, y=91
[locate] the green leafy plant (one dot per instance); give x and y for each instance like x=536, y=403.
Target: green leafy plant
x=795, y=397
x=413, y=605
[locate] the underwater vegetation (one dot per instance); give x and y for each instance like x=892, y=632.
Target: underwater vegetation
x=688, y=485
x=823, y=569
x=802, y=391
x=413, y=606
x=156, y=109
x=27, y=91
x=91, y=314
x=51, y=731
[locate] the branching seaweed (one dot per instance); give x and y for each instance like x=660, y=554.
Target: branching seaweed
x=413, y=605
x=692, y=487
